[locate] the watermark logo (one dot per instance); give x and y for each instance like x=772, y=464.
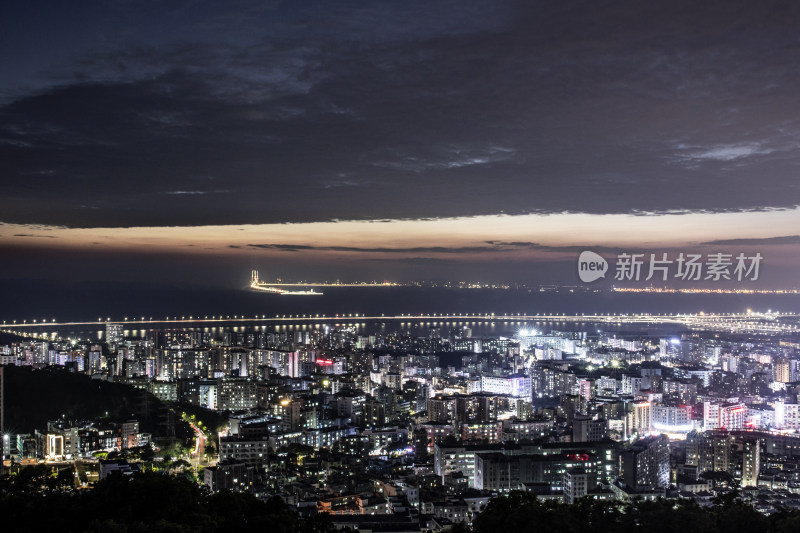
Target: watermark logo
x=663, y=267
x=591, y=266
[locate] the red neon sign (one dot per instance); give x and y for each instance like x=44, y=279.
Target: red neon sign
x=578, y=456
x=324, y=362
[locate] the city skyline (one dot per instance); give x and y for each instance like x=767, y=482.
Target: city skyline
x=419, y=266
x=469, y=413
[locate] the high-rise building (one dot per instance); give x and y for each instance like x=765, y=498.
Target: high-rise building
x=576, y=484
x=500, y=472
x=585, y=429
x=585, y=387
x=516, y=385
x=640, y=418
x=751, y=462
x=289, y=412
x=645, y=465
x=235, y=476
x=236, y=394
x=709, y=451
x=787, y=415
x=783, y=372
x=726, y=415
x=114, y=335
x=671, y=419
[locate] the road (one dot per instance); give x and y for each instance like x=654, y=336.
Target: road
x=199, y=452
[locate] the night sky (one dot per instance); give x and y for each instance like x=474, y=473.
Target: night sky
x=191, y=141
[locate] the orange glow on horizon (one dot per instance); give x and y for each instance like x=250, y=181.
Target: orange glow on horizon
x=528, y=236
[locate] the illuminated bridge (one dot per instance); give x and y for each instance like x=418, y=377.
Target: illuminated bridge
x=745, y=323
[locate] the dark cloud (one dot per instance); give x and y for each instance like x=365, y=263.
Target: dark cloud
x=786, y=239
x=515, y=243
x=566, y=248
x=284, y=247
x=495, y=246
x=422, y=261
x=376, y=110
x=356, y=249
x=197, y=192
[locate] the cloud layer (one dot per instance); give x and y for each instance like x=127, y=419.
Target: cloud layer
x=301, y=111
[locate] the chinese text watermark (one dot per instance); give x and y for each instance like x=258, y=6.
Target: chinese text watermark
x=663, y=267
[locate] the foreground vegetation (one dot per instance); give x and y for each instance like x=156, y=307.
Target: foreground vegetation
x=520, y=512
x=38, y=499
x=148, y=502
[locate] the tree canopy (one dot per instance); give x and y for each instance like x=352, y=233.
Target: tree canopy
x=521, y=512
x=147, y=502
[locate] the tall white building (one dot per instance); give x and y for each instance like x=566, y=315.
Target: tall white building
x=724, y=415
x=514, y=385
x=751, y=463
x=787, y=415
x=114, y=334
x=671, y=419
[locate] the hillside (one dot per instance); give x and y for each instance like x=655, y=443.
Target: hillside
x=35, y=396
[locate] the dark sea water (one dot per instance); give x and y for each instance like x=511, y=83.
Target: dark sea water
x=90, y=301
